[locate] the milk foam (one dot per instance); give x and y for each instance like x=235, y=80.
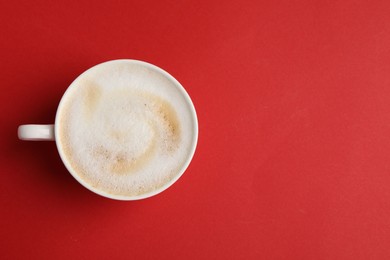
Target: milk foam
x=125, y=129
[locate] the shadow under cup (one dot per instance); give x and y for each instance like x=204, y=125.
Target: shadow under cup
x=126, y=129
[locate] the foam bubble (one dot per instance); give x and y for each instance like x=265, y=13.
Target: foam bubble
x=125, y=129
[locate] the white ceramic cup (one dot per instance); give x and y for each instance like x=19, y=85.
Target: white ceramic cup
x=36, y=132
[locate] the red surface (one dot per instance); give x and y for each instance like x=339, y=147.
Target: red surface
x=293, y=100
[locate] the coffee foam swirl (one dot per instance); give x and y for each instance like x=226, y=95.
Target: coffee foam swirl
x=126, y=137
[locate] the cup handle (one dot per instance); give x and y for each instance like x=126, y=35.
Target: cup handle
x=36, y=132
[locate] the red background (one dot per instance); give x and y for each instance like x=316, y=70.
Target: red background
x=293, y=100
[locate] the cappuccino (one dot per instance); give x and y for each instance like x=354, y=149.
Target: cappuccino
x=126, y=128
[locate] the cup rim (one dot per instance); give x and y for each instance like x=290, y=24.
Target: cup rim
x=191, y=153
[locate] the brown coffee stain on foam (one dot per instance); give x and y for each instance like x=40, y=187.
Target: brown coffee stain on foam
x=164, y=116
x=92, y=96
x=123, y=164
x=101, y=153
x=168, y=115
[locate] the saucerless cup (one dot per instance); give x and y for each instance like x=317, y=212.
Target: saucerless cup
x=125, y=129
